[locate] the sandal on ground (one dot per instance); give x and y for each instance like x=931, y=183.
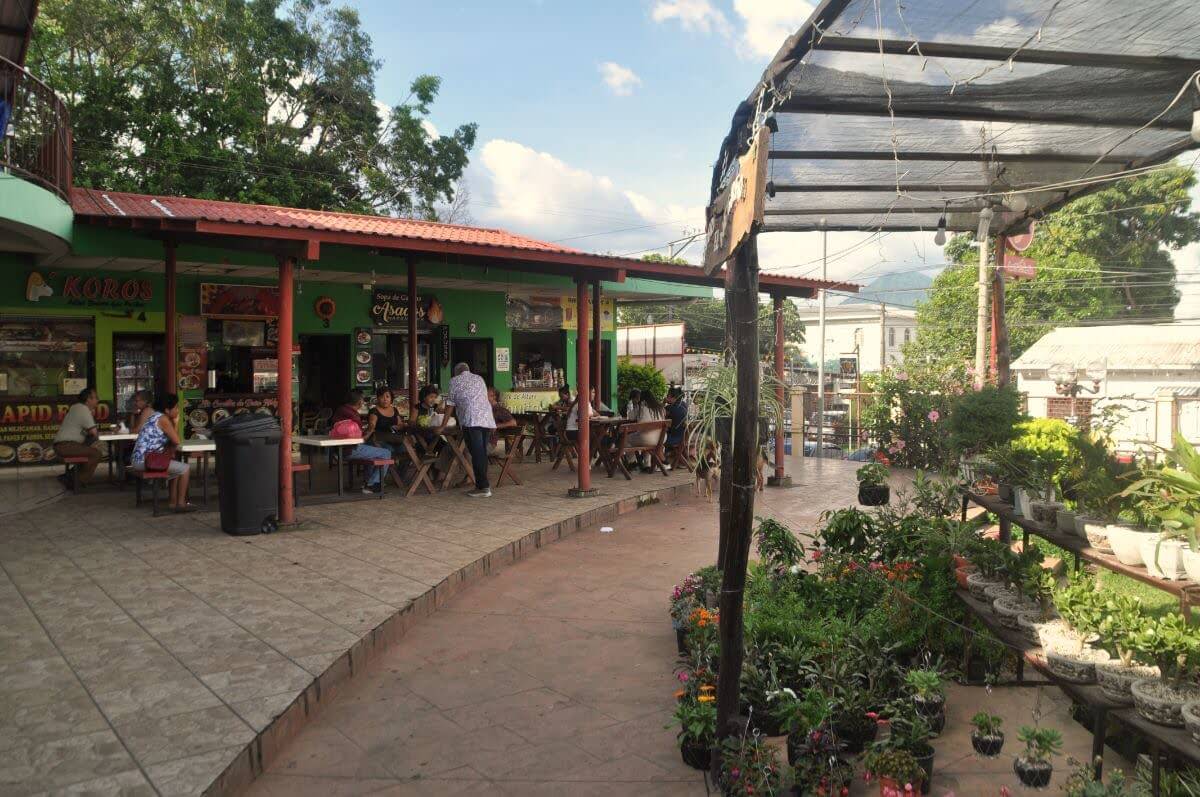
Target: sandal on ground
x=180, y=510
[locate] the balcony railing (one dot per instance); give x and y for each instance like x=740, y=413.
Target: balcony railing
x=36, y=129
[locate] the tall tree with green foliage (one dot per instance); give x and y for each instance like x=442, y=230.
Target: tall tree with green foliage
x=1102, y=258
x=269, y=101
x=705, y=318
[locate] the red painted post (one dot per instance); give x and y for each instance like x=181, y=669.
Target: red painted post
x=597, y=347
x=283, y=351
x=171, y=383
x=780, y=393
x=413, y=386
x=583, y=388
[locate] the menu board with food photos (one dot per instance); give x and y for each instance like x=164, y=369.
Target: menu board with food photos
x=363, y=338
x=27, y=428
x=202, y=414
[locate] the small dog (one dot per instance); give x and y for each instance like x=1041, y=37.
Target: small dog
x=759, y=464
x=708, y=472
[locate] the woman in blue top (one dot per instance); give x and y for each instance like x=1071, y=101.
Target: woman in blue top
x=157, y=434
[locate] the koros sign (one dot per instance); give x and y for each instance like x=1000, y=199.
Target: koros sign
x=87, y=290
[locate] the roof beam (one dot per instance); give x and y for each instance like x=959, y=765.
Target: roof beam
x=908, y=155
x=816, y=226
x=907, y=108
x=894, y=187
x=853, y=44
x=882, y=209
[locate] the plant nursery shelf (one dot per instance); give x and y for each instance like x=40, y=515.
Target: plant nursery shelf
x=1162, y=739
x=1188, y=591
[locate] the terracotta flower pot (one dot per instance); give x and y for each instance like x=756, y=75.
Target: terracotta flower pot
x=962, y=574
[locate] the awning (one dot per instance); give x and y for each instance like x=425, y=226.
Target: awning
x=892, y=115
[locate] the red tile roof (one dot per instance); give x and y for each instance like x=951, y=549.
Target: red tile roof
x=218, y=217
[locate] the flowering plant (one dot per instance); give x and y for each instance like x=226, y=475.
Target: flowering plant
x=750, y=766
x=896, y=765
x=697, y=720
x=685, y=598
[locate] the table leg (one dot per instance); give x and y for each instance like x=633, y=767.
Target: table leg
x=339, y=469
x=1099, y=730
x=204, y=478
x=110, y=461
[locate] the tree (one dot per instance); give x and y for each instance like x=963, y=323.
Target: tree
x=705, y=318
x=269, y=101
x=1100, y=258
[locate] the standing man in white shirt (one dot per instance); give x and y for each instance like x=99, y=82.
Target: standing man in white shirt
x=468, y=395
x=78, y=435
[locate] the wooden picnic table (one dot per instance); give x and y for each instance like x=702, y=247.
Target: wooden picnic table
x=114, y=440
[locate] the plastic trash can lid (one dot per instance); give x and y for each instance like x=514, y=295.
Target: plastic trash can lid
x=246, y=425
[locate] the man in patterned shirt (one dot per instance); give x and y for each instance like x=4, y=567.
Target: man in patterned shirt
x=468, y=395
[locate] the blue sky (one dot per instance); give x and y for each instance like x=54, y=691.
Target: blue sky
x=599, y=121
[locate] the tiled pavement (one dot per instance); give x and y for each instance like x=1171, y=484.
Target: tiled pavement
x=554, y=677
x=143, y=656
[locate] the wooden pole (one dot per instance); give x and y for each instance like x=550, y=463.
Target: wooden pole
x=597, y=377
x=981, y=316
x=171, y=383
x=744, y=307
x=779, y=479
x=724, y=438
x=283, y=354
x=583, y=390
x=413, y=386
x=1001, y=356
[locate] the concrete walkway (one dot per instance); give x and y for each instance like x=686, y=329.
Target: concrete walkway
x=555, y=677
x=144, y=655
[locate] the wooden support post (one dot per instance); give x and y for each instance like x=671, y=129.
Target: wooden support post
x=1000, y=351
x=171, y=383
x=283, y=353
x=744, y=308
x=724, y=435
x=597, y=377
x=583, y=389
x=779, y=479
x=413, y=385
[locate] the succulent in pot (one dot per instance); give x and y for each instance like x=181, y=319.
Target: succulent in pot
x=1034, y=767
x=1045, y=511
x=1191, y=719
x=910, y=732
x=1076, y=667
x=929, y=697
x=1172, y=645
x=873, y=489
x=978, y=582
x=1064, y=521
x=987, y=738
x=1123, y=620
x=697, y=721
x=897, y=770
x=1009, y=607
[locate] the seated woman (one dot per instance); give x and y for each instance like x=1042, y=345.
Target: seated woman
x=158, y=433
x=385, y=423
x=141, y=410
x=503, y=418
x=350, y=412
x=651, y=410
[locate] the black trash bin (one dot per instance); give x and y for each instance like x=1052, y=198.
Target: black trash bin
x=248, y=473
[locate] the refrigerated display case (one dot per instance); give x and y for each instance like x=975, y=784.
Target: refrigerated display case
x=137, y=365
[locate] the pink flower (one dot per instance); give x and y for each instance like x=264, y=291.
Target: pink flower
x=1004, y=792
x=871, y=715
x=908, y=787
x=683, y=676
x=735, y=773
x=816, y=555
x=934, y=415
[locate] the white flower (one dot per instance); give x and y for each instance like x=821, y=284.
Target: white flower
x=794, y=569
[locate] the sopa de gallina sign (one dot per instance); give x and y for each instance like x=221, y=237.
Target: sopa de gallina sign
x=390, y=309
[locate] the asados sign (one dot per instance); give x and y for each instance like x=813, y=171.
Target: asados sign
x=390, y=308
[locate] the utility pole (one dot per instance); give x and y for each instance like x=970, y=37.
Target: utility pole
x=820, y=452
x=981, y=316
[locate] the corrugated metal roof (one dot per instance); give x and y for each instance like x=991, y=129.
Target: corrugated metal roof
x=1131, y=347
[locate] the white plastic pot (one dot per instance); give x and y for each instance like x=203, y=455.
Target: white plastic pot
x=1169, y=564
x=1191, y=563
x=1127, y=542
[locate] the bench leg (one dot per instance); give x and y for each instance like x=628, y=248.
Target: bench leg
x=154, y=497
x=137, y=492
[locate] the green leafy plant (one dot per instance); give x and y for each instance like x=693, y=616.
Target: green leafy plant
x=1172, y=491
x=987, y=724
x=1098, y=479
x=1122, y=620
x=980, y=419
x=1049, y=450
x=894, y=763
x=697, y=720
x=750, y=766
x=644, y=378
x=925, y=684
x=778, y=547
x=717, y=400
x=872, y=474
x=1041, y=744
x=801, y=714
x=847, y=531
x=1038, y=583
x=1169, y=642
x=1080, y=604
x=1084, y=783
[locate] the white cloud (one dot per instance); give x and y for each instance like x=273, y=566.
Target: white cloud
x=534, y=193
x=763, y=24
x=620, y=79
x=768, y=23
x=696, y=15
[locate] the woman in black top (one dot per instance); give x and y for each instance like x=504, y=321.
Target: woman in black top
x=385, y=424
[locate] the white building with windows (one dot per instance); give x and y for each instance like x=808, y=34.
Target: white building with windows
x=875, y=331
x=1151, y=371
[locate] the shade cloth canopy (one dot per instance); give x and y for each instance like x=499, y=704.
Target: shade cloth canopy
x=890, y=115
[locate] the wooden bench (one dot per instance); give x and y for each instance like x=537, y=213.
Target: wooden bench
x=298, y=468
x=614, y=456
x=71, y=470
x=513, y=439
x=386, y=464
x=154, y=477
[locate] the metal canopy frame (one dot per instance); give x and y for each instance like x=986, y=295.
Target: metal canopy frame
x=1045, y=99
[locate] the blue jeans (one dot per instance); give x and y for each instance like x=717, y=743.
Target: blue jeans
x=476, y=438
x=364, y=451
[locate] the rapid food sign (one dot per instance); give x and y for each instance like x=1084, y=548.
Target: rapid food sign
x=27, y=429
x=88, y=290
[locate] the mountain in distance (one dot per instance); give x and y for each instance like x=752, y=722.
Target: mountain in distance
x=901, y=290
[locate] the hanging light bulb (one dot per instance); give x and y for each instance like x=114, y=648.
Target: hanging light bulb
x=939, y=237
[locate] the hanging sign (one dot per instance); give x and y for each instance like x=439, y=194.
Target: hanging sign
x=28, y=426
x=738, y=208
x=239, y=301
x=1018, y=266
x=88, y=290
x=389, y=308
x=1021, y=241
x=848, y=366
x=503, y=360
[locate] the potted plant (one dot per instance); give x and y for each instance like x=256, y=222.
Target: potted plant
x=910, y=732
x=1083, y=782
x=873, y=489
x=987, y=738
x=897, y=771
x=685, y=597
x=750, y=766
x=1172, y=491
x=1034, y=767
x=760, y=680
x=697, y=721
x=1171, y=644
x=1191, y=719
x=979, y=420
x=778, y=548
x=1123, y=620
x=929, y=697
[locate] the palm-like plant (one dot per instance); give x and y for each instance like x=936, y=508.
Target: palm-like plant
x=718, y=400
x=1174, y=488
